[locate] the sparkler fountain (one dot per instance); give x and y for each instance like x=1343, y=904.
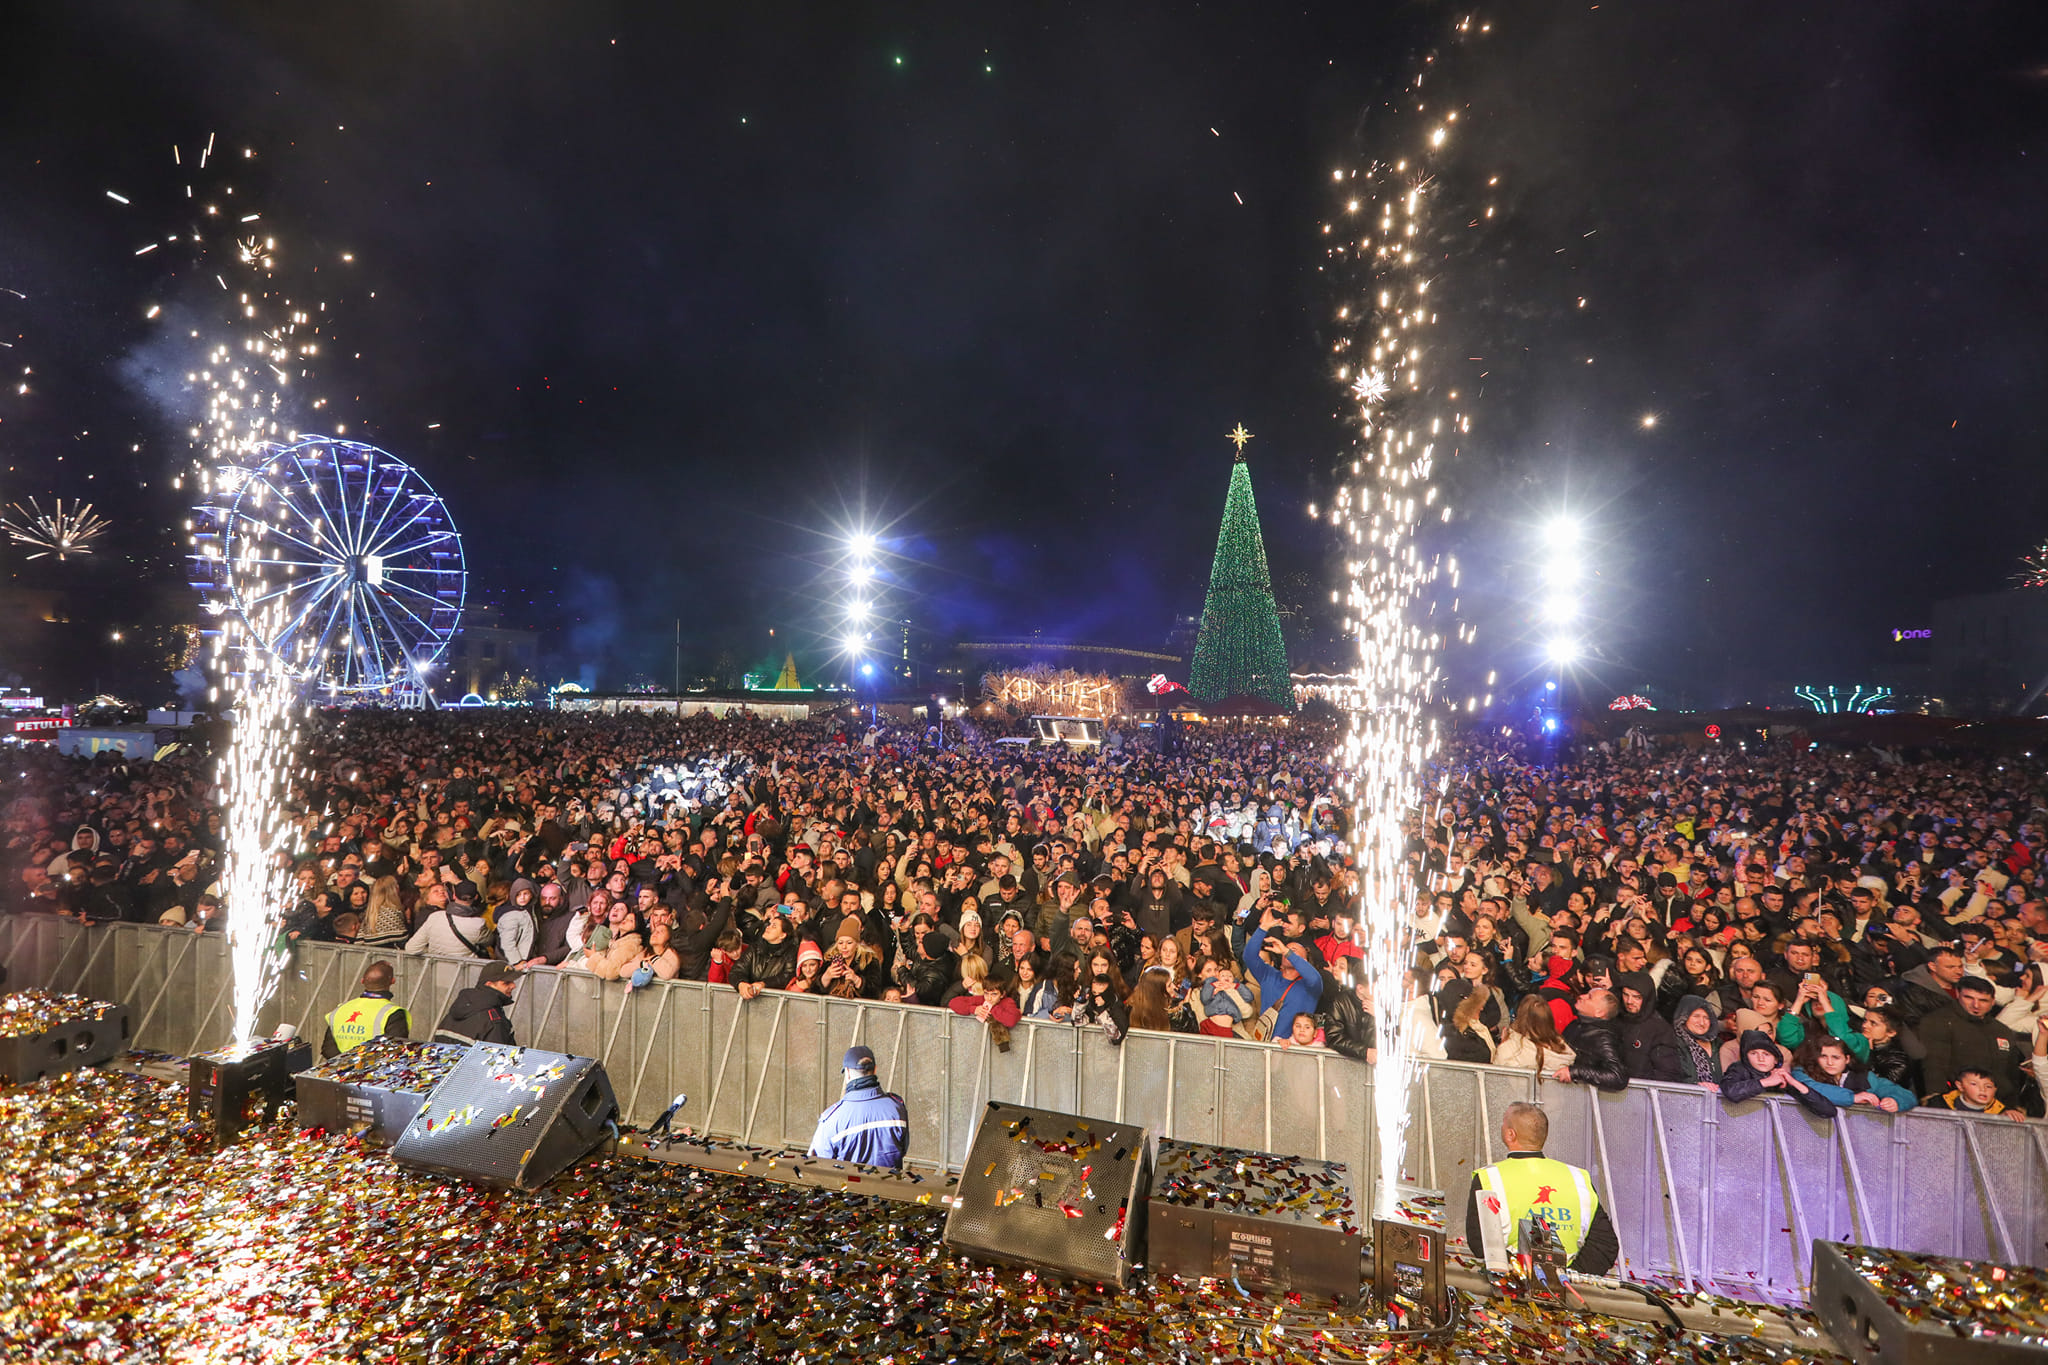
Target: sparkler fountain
x=1404, y=424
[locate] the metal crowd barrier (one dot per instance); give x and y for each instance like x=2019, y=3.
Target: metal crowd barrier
x=1704, y=1193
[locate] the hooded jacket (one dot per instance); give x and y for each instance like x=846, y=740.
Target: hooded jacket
x=518, y=925
x=477, y=1014
x=1741, y=1081
x=1649, y=1046
x=1699, y=1059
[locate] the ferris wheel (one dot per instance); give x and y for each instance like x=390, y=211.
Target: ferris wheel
x=335, y=561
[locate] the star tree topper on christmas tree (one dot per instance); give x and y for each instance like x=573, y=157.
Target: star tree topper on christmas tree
x=1239, y=651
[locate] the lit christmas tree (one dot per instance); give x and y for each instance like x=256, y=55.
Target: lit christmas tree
x=1239, y=652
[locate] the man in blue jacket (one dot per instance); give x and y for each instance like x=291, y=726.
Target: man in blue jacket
x=867, y=1125
x=1289, y=984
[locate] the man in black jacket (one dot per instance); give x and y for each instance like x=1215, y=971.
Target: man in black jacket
x=1594, y=1038
x=1649, y=1047
x=481, y=1013
x=1972, y=1037
x=1350, y=1030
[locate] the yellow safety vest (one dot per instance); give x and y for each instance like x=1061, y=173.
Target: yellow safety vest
x=1560, y=1194
x=355, y=1022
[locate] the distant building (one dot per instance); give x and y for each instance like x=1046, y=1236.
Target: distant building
x=486, y=656
x=1990, y=651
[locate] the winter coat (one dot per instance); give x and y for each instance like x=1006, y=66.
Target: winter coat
x=1955, y=1040
x=1856, y=1083
x=1521, y=1053
x=1649, y=1046
x=1741, y=1081
x=1597, y=1044
x=618, y=959
x=867, y=1125
x=768, y=964
x=1348, y=1028
x=477, y=1014
x=437, y=935
x=517, y=925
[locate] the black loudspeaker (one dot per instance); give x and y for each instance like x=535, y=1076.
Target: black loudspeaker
x=1899, y=1308
x=1274, y=1223
x=45, y=1034
x=1055, y=1192
x=510, y=1117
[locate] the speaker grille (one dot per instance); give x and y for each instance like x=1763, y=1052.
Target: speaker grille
x=509, y=1116
x=1052, y=1190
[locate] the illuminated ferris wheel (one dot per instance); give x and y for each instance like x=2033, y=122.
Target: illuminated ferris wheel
x=333, y=560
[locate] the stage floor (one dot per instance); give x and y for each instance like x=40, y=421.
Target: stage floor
x=124, y=1236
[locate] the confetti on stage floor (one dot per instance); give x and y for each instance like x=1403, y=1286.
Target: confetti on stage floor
x=125, y=1236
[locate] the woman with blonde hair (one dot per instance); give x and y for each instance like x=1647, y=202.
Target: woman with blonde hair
x=384, y=922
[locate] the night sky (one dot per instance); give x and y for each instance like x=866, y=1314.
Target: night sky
x=687, y=290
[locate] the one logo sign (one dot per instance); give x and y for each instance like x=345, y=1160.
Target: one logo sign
x=1899, y=635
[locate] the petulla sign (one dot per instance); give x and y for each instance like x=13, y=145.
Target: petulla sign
x=1899, y=635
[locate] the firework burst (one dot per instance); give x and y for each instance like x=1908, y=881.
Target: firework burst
x=56, y=532
x=2033, y=568
x=1385, y=498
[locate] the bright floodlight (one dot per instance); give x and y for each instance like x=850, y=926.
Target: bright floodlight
x=1562, y=533
x=867, y=670
x=1563, y=651
x=1563, y=570
x=1563, y=608
x=858, y=611
x=862, y=543
x=850, y=644
x=860, y=573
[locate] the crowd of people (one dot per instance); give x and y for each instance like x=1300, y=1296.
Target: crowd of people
x=1830, y=926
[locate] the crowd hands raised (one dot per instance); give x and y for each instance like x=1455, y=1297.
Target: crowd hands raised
x=1779, y=921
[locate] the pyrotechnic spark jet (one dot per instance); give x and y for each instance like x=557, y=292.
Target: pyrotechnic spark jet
x=265, y=341
x=56, y=532
x=1403, y=427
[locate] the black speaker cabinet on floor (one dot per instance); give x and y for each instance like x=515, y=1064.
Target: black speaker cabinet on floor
x=45, y=1034
x=1897, y=1308
x=1275, y=1223
x=1055, y=1192
x=510, y=1117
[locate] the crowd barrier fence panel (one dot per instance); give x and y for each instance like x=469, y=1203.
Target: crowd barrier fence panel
x=1702, y=1192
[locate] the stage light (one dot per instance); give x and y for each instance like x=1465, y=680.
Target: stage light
x=1562, y=609
x=862, y=543
x=1562, y=533
x=867, y=670
x=1550, y=725
x=850, y=644
x=1563, y=651
x=858, y=611
x=861, y=573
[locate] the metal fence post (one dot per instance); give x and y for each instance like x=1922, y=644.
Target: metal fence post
x=653, y=1041
x=1666, y=1177
x=1986, y=1194
x=774, y=1030
x=170, y=974
x=1606, y=1166
x=1801, y=1229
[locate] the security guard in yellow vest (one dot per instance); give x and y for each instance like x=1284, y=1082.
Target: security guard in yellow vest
x=1529, y=1184
x=372, y=1014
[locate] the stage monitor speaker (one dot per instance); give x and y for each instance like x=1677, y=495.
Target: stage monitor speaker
x=1274, y=1223
x=44, y=1034
x=1056, y=1192
x=512, y=1118
x=1900, y=1308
